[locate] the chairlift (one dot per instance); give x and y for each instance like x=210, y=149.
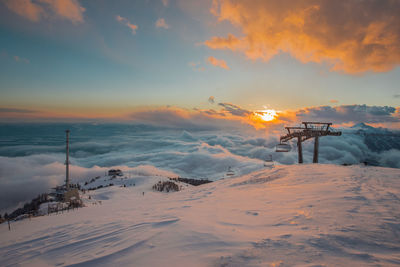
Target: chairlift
x=230, y=172
x=282, y=147
x=269, y=162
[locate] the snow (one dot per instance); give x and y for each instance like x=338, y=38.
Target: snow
x=304, y=215
x=44, y=207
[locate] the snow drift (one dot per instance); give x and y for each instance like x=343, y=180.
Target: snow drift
x=307, y=215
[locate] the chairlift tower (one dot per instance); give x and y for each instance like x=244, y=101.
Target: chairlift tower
x=304, y=132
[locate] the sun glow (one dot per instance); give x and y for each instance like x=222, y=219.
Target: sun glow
x=266, y=115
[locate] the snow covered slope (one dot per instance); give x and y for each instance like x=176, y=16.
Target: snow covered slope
x=310, y=215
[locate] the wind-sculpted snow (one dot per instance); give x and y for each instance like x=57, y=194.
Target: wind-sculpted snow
x=260, y=177
x=310, y=215
x=32, y=155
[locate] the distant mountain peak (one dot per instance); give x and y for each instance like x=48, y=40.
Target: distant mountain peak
x=362, y=125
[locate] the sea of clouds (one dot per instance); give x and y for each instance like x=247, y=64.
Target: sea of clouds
x=32, y=156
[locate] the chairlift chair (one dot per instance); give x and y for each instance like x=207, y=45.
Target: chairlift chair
x=230, y=172
x=269, y=162
x=282, y=147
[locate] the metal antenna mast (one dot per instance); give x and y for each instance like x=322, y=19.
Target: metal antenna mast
x=67, y=162
x=306, y=131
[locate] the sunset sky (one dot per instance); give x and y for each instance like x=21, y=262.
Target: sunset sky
x=75, y=59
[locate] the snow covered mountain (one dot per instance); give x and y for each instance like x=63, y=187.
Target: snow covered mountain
x=305, y=215
x=376, y=139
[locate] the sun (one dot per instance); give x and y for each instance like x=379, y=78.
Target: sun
x=267, y=115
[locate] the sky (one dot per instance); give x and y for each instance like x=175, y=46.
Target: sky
x=77, y=60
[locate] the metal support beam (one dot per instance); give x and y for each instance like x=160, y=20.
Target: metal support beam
x=67, y=162
x=307, y=131
x=300, y=149
x=316, y=146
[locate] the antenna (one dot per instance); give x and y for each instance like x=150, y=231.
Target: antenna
x=67, y=162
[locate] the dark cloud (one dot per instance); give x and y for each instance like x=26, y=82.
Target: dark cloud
x=350, y=113
x=212, y=112
x=16, y=110
x=194, y=119
x=234, y=109
x=168, y=118
x=211, y=100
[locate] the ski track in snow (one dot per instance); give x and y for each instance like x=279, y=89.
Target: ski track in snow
x=310, y=215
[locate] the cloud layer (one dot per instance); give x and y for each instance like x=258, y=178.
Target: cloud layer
x=350, y=36
x=127, y=23
x=350, y=114
x=32, y=156
x=188, y=142
x=36, y=10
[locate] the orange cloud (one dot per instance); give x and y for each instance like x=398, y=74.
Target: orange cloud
x=34, y=11
x=21, y=59
x=68, y=9
x=196, y=66
x=25, y=8
x=160, y=23
x=231, y=42
x=350, y=36
x=165, y=2
x=217, y=62
x=127, y=23
x=225, y=116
